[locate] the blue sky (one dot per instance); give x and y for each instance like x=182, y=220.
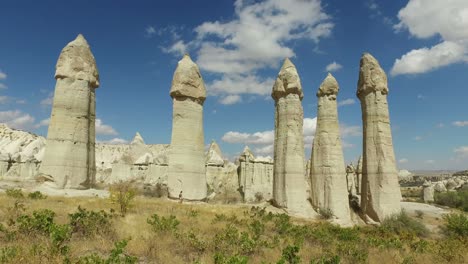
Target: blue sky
x=239, y=46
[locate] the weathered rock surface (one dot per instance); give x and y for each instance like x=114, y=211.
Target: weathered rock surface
x=187, y=172
x=289, y=190
x=428, y=192
x=328, y=175
x=255, y=177
x=380, y=189
x=69, y=157
x=359, y=176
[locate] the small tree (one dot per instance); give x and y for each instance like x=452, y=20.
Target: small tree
x=122, y=194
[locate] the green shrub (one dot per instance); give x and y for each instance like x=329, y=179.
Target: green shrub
x=402, y=224
x=163, y=224
x=116, y=256
x=453, y=199
x=122, y=194
x=60, y=236
x=222, y=259
x=37, y=195
x=15, y=211
x=456, y=224
x=39, y=223
x=325, y=213
x=90, y=223
x=289, y=255
x=15, y=193
x=231, y=241
x=7, y=254
x=328, y=259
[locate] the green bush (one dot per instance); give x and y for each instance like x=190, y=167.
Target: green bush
x=289, y=255
x=90, y=223
x=39, y=223
x=37, y=195
x=453, y=199
x=7, y=254
x=163, y=224
x=222, y=259
x=122, y=194
x=15, y=193
x=116, y=256
x=456, y=225
x=327, y=260
x=325, y=213
x=402, y=224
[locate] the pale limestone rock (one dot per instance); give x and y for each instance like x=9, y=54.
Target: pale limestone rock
x=255, y=177
x=187, y=172
x=69, y=156
x=328, y=174
x=359, y=176
x=289, y=189
x=451, y=185
x=214, y=156
x=380, y=189
x=440, y=187
x=428, y=192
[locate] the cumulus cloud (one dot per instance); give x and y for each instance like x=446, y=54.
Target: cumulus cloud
x=255, y=39
x=114, y=141
x=461, y=152
x=48, y=100
x=150, y=31
x=417, y=138
x=179, y=48
x=17, y=119
x=2, y=86
x=230, y=99
x=3, y=75
x=44, y=122
x=349, y=101
x=333, y=67
x=103, y=129
x=460, y=123
x=448, y=19
x=402, y=161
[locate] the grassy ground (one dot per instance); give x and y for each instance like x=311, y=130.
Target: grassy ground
x=207, y=233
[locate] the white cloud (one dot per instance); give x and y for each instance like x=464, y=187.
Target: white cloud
x=460, y=123
x=461, y=152
x=349, y=101
x=48, y=101
x=350, y=131
x=334, y=66
x=17, y=119
x=448, y=19
x=230, y=99
x=21, y=101
x=3, y=75
x=3, y=86
x=257, y=138
x=114, y=141
x=178, y=48
x=402, y=161
x=417, y=138
x=440, y=125
x=429, y=161
x=4, y=99
x=102, y=129
x=257, y=38
x=150, y=31
x=44, y=122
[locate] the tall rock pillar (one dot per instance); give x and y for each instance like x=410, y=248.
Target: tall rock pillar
x=328, y=174
x=187, y=172
x=69, y=160
x=289, y=185
x=380, y=193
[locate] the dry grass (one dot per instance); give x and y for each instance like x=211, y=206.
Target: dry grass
x=166, y=247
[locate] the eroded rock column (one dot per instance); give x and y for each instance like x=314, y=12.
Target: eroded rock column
x=289, y=186
x=380, y=194
x=187, y=172
x=69, y=160
x=328, y=175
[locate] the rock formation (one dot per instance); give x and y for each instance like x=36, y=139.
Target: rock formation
x=359, y=176
x=428, y=192
x=289, y=190
x=328, y=175
x=187, y=172
x=69, y=157
x=380, y=194
x=255, y=177
x=221, y=175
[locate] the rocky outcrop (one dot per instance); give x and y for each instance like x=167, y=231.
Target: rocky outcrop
x=359, y=176
x=428, y=192
x=69, y=157
x=255, y=177
x=380, y=194
x=221, y=175
x=187, y=172
x=328, y=175
x=289, y=190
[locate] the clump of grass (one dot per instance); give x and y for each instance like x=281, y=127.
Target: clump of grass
x=117, y=255
x=325, y=213
x=403, y=224
x=289, y=255
x=14, y=193
x=458, y=199
x=90, y=223
x=37, y=195
x=163, y=224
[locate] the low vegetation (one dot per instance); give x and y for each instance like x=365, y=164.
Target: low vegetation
x=455, y=199
x=85, y=231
